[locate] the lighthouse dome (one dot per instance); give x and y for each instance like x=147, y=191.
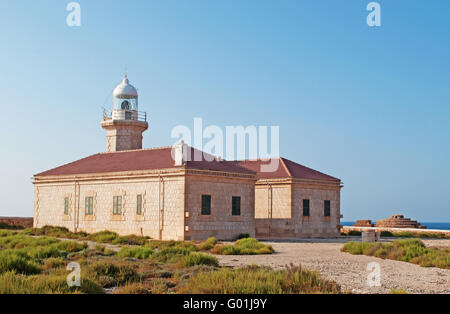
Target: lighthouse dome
x=125, y=90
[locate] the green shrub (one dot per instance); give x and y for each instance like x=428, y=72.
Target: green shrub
x=54, y=262
x=109, y=274
x=407, y=250
x=9, y=227
x=195, y=258
x=258, y=280
x=17, y=262
x=71, y=246
x=170, y=254
x=132, y=288
x=246, y=246
x=103, y=237
x=208, y=244
x=130, y=240
x=12, y=283
x=136, y=252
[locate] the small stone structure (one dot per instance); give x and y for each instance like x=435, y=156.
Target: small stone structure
x=371, y=236
x=399, y=221
x=363, y=223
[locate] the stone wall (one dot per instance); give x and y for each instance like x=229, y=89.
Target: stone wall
x=221, y=223
x=17, y=221
x=167, y=195
x=287, y=202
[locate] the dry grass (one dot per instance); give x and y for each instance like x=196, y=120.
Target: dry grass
x=411, y=250
x=246, y=246
x=259, y=280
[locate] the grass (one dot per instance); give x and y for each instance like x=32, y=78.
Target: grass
x=135, y=252
x=408, y=250
x=246, y=246
x=208, y=244
x=112, y=273
x=195, y=259
x=12, y=283
x=398, y=291
x=258, y=280
x=403, y=234
x=37, y=265
x=99, y=237
x=9, y=227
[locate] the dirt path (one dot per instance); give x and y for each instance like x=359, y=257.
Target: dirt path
x=350, y=271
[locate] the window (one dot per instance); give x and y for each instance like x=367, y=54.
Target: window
x=89, y=205
x=139, y=205
x=305, y=208
x=236, y=206
x=327, y=209
x=66, y=206
x=117, y=205
x=206, y=204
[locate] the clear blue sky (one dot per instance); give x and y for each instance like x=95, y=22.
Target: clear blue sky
x=370, y=106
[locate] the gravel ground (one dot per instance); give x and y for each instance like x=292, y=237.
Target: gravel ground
x=350, y=271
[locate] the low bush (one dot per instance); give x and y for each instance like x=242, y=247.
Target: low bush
x=408, y=250
x=195, y=259
x=208, y=244
x=54, y=262
x=246, y=246
x=109, y=274
x=12, y=283
x=258, y=280
x=170, y=254
x=17, y=262
x=9, y=227
x=130, y=240
x=135, y=252
x=132, y=288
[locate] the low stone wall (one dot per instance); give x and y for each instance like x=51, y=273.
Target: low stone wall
x=17, y=221
x=346, y=229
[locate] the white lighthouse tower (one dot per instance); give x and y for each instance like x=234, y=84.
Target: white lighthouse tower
x=125, y=124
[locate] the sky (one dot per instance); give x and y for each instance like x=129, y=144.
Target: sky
x=369, y=105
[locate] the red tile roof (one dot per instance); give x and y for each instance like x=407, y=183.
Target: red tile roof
x=161, y=158
x=146, y=159
x=286, y=169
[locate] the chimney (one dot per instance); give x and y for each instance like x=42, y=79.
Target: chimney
x=180, y=153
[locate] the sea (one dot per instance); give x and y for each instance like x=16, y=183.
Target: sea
x=429, y=225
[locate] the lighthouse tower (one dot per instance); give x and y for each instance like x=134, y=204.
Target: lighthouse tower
x=125, y=124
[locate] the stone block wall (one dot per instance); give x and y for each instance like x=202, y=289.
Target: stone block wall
x=287, y=210
x=221, y=223
x=167, y=195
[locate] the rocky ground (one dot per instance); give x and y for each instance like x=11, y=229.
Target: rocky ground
x=350, y=271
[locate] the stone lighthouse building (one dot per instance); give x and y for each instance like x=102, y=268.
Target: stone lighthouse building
x=164, y=194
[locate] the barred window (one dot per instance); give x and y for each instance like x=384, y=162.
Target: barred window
x=117, y=205
x=327, y=208
x=66, y=206
x=206, y=205
x=306, y=208
x=236, y=206
x=139, y=205
x=89, y=205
